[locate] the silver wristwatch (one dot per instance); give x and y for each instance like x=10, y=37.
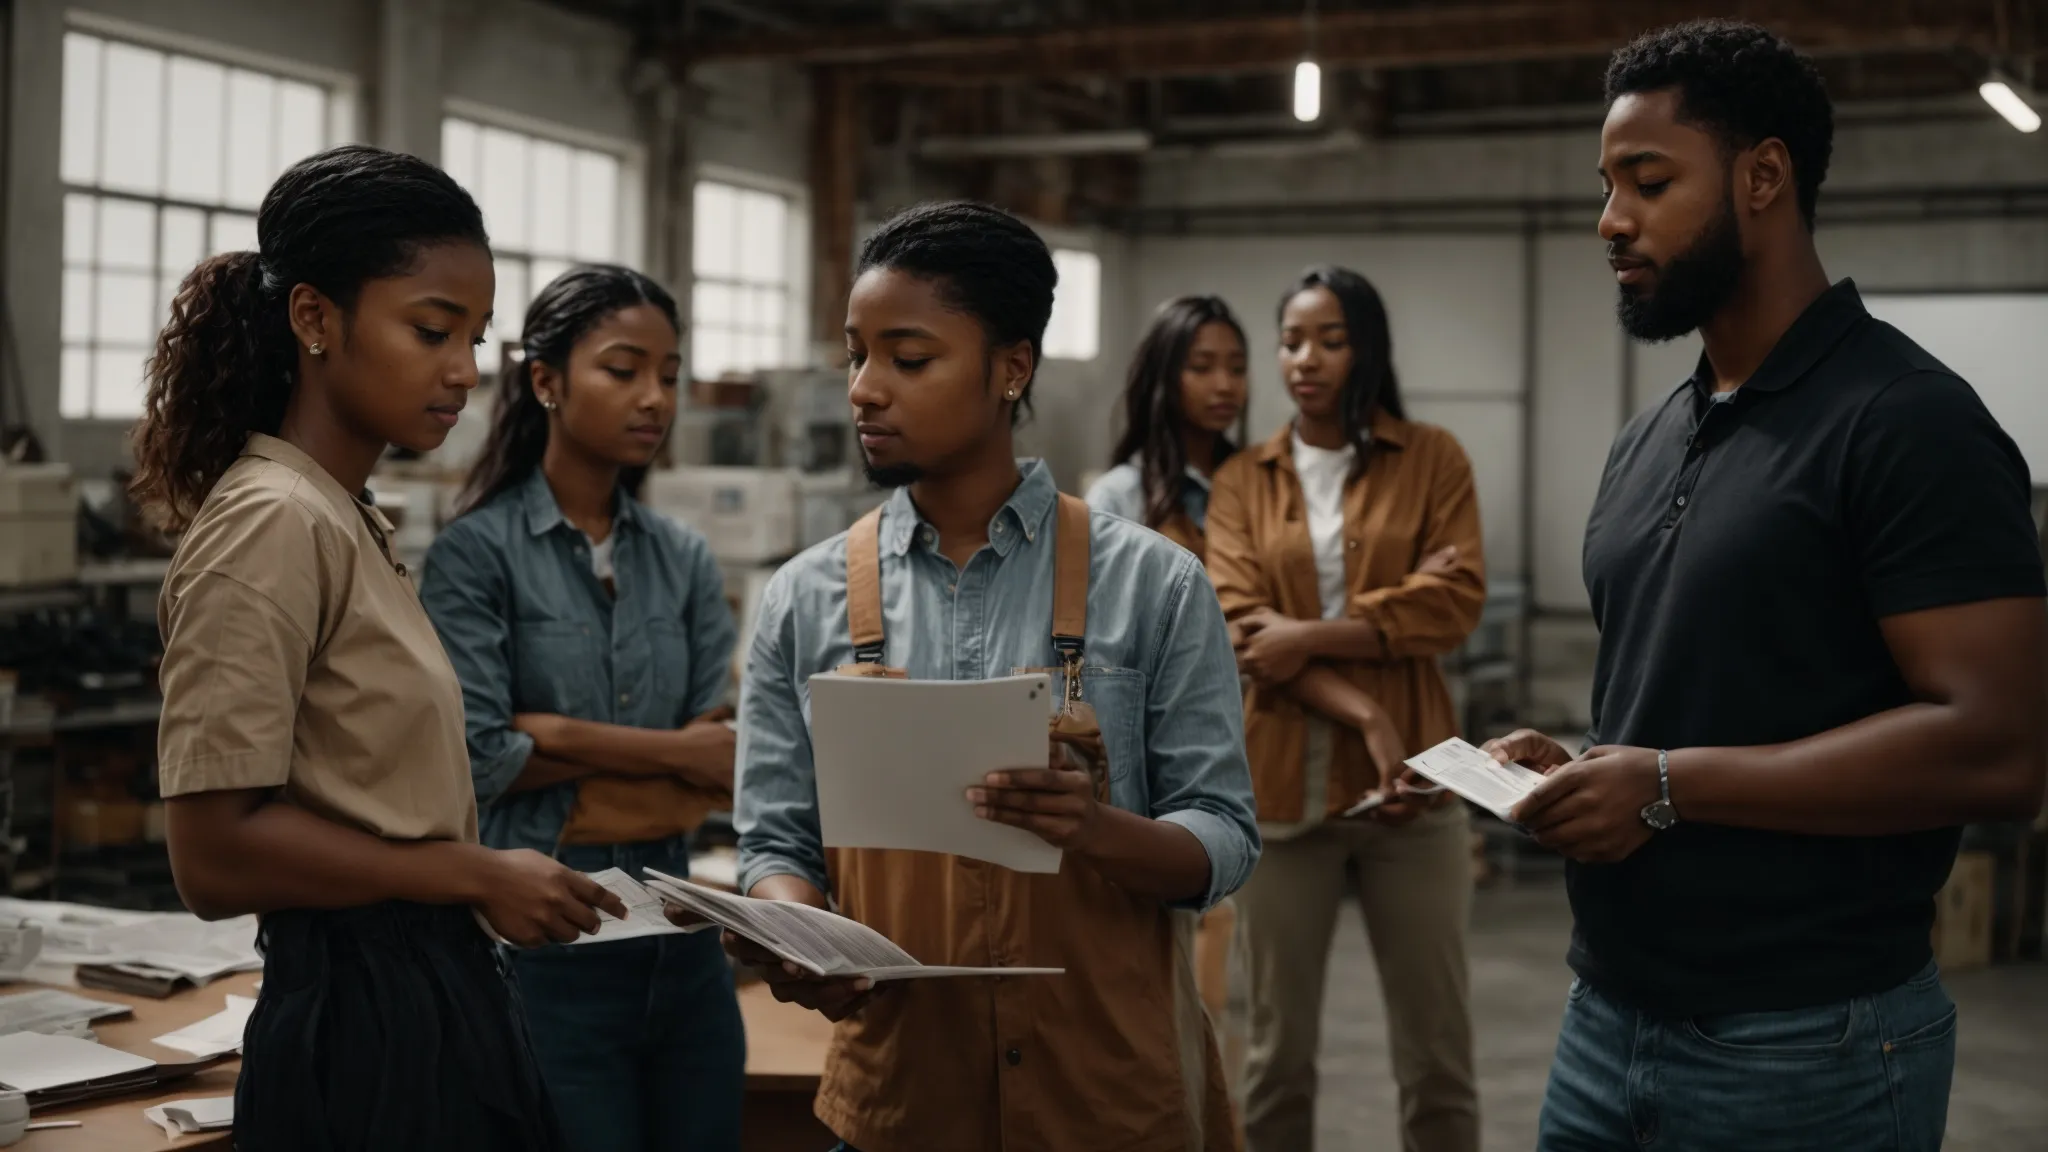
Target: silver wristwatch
x=1660, y=814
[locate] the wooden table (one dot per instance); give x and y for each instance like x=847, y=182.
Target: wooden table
x=785, y=1056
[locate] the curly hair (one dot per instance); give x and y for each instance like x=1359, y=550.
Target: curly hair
x=227, y=363
x=1742, y=83
x=986, y=263
x=1152, y=400
x=1372, y=383
x=564, y=313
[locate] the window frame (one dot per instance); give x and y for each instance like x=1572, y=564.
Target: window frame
x=796, y=257
x=341, y=90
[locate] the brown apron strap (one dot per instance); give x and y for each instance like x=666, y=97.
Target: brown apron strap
x=864, y=588
x=1070, y=576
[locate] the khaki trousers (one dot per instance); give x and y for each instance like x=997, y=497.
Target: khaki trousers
x=1414, y=885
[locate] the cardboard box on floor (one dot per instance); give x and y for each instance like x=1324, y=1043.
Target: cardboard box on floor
x=1962, y=914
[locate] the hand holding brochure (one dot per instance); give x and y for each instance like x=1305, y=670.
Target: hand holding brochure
x=819, y=942
x=1476, y=776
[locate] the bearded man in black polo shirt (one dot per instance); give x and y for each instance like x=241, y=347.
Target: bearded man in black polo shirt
x=1823, y=649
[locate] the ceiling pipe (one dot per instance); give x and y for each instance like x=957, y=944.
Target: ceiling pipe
x=1113, y=143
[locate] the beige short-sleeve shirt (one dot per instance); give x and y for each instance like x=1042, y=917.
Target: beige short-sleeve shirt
x=297, y=656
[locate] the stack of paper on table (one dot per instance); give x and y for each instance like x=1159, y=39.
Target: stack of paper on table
x=37, y=1064
x=156, y=950
x=180, y=1117
x=54, y=1013
x=1476, y=776
x=813, y=939
x=894, y=759
x=218, y=1034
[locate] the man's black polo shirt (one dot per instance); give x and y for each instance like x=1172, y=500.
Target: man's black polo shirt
x=1740, y=555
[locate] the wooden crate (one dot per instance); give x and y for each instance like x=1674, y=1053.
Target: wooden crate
x=1962, y=914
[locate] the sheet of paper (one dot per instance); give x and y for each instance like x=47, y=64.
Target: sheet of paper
x=1476, y=776
x=818, y=941
x=894, y=759
x=53, y=1012
x=32, y=1063
x=644, y=916
x=216, y=1035
x=177, y=943
x=183, y=1116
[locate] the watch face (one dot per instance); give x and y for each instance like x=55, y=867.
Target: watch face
x=1660, y=815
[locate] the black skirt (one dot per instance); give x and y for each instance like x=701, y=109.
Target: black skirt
x=394, y=1027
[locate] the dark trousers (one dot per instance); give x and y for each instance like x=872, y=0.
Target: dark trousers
x=391, y=1028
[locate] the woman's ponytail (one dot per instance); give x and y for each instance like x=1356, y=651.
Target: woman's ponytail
x=222, y=369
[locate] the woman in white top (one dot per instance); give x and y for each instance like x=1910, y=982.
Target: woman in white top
x=1185, y=394
x=1346, y=552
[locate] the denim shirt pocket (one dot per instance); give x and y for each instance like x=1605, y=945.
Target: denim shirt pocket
x=1118, y=697
x=557, y=666
x=672, y=666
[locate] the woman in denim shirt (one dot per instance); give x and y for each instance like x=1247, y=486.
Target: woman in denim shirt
x=594, y=642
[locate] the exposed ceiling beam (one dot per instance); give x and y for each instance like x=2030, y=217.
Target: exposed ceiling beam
x=1438, y=34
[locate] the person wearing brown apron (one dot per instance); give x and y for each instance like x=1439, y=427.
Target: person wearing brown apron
x=978, y=567
x=1184, y=396
x=595, y=646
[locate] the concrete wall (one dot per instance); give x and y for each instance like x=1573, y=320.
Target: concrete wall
x=402, y=63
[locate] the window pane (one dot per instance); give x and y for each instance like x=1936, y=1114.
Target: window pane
x=513, y=297
x=252, y=137
x=183, y=241
x=458, y=152
x=597, y=207
x=763, y=219
x=1074, y=332
x=715, y=231
x=166, y=291
x=502, y=191
x=74, y=398
x=544, y=273
x=196, y=118
x=127, y=235
x=710, y=353
x=232, y=233
x=712, y=306
x=81, y=109
x=301, y=123
x=117, y=383
x=131, y=150
x=78, y=228
x=768, y=311
x=127, y=302
x=551, y=201
x=77, y=304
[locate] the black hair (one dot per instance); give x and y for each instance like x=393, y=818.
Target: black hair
x=1152, y=400
x=986, y=263
x=227, y=363
x=564, y=313
x=1372, y=383
x=1742, y=83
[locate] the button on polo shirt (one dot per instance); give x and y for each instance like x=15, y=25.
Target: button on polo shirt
x=1740, y=556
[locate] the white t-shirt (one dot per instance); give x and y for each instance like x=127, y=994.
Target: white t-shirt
x=1322, y=474
x=601, y=556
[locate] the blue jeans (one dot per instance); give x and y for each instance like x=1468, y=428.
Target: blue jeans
x=1871, y=1074
x=640, y=1042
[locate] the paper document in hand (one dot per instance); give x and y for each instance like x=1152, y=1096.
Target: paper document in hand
x=644, y=916
x=820, y=942
x=894, y=759
x=1476, y=776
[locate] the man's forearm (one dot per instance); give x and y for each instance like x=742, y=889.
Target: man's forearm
x=1906, y=770
x=784, y=886
x=1325, y=689
x=624, y=750
x=1346, y=640
x=545, y=771
x=1148, y=857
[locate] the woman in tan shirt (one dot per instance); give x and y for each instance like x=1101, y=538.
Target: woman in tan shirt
x=1346, y=550
x=311, y=749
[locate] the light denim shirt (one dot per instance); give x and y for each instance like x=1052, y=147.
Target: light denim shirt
x=1159, y=671
x=1121, y=492
x=530, y=629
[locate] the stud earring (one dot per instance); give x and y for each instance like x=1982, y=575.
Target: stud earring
x=550, y=405
x=317, y=348
x=1010, y=395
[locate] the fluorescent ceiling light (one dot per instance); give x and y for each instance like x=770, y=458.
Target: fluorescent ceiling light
x=1308, y=91
x=1996, y=93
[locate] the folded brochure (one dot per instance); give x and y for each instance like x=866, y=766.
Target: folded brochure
x=820, y=942
x=1476, y=776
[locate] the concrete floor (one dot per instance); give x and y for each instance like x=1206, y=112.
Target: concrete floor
x=1999, y=1103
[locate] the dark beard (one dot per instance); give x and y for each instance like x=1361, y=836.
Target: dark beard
x=892, y=475
x=1690, y=288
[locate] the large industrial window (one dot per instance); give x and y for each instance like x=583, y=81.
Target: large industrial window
x=165, y=159
x=1075, y=329
x=742, y=307
x=547, y=206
